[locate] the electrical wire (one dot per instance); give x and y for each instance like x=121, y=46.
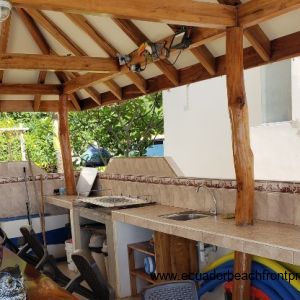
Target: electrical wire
x=176, y=59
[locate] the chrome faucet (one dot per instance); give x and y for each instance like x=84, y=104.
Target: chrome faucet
x=213, y=210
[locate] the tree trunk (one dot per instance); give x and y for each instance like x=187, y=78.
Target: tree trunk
x=64, y=136
x=243, y=157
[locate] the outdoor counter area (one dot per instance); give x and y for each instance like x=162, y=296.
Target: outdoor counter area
x=145, y=143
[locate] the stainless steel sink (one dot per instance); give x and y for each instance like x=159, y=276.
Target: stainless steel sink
x=187, y=215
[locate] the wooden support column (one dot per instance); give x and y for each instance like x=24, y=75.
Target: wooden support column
x=64, y=137
x=243, y=156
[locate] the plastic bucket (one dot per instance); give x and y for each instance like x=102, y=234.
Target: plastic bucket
x=69, y=250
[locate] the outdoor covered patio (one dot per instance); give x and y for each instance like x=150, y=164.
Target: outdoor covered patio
x=61, y=56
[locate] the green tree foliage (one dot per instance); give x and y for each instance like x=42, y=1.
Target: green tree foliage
x=38, y=139
x=10, y=148
x=125, y=129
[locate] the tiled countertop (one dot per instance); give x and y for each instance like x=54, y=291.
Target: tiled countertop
x=268, y=239
x=61, y=200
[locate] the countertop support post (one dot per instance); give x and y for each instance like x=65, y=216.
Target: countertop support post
x=242, y=153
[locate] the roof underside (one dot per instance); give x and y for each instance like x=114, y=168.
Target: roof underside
x=64, y=34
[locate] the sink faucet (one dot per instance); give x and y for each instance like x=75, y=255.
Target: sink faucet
x=213, y=210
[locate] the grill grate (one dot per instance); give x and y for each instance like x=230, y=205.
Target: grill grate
x=114, y=201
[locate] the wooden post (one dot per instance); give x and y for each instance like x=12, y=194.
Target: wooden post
x=64, y=137
x=243, y=156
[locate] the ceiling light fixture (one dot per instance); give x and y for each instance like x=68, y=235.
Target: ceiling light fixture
x=5, y=10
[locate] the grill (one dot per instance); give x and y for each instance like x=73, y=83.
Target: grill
x=114, y=201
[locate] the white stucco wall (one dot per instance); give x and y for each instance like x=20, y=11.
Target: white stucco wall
x=296, y=88
x=197, y=126
x=198, y=134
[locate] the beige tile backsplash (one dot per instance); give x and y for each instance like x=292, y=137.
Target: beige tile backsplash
x=277, y=207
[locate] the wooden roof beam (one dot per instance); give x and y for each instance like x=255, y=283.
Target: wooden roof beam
x=5, y=28
x=283, y=48
x=95, y=35
x=85, y=25
x=30, y=89
x=58, y=63
x=256, y=11
x=63, y=78
x=45, y=49
x=206, y=59
x=34, y=31
x=82, y=81
x=27, y=106
x=255, y=35
x=65, y=41
x=200, y=37
x=55, y=31
x=44, y=46
x=259, y=40
x=187, y=12
x=37, y=98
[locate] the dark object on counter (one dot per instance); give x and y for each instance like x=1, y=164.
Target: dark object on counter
x=175, y=290
x=95, y=157
x=89, y=272
x=56, y=192
x=12, y=284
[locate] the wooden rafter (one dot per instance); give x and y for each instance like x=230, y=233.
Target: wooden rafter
x=176, y=12
x=37, y=98
x=230, y=2
x=168, y=70
x=98, y=38
x=83, y=81
x=200, y=37
x=45, y=49
x=283, y=48
x=34, y=31
x=5, y=28
x=131, y=30
x=89, y=29
x=139, y=81
x=30, y=89
x=63, y=78
x=255, y=35
x=58, y=63
x=27, y=105
x=85, y=25
x=65, y=41
x=259, y=40
x=206, y=59
x=254, y=12
x=55, y=31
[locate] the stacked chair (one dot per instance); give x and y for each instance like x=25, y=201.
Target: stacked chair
x=89, y=272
